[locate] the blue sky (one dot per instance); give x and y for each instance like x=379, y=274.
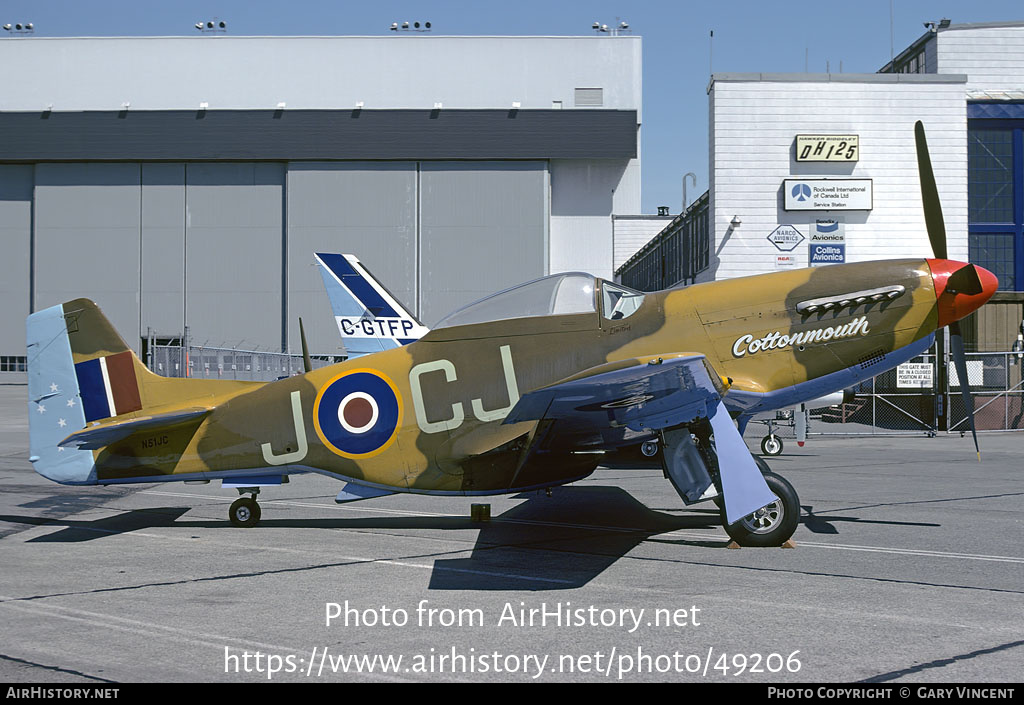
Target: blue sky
x=766, y=36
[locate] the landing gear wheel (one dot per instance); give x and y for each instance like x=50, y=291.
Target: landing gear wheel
x=771, y=445
x=773, y=525
x=244, y=512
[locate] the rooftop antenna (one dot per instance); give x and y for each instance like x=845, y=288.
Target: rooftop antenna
x=711, y=53
x=892, y=30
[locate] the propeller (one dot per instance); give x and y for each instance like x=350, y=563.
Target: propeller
x=964, y=280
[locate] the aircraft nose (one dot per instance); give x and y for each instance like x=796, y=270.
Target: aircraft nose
x=960, y=288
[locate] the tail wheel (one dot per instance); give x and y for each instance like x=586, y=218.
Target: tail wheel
x=244, y=512
x=772, y=525
x=771, y=444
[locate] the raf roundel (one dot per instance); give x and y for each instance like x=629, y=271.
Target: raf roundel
x=357, y=413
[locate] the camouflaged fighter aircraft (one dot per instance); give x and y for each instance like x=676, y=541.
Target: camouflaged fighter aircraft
x=521, y=390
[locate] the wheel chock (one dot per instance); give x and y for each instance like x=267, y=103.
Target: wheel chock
x=733, y=544
x=480, y=512
x=790, y=543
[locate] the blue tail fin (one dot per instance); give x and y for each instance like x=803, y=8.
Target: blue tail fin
x=369, y=317
x=55, y=407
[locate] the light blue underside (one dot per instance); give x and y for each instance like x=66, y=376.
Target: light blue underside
x=53, y=397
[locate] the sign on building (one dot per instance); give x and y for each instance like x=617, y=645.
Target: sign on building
x=827, y=243
x=785, y=238
x=828, y=194
x=827, y=148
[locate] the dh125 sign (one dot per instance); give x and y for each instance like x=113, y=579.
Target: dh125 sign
x=827, y=148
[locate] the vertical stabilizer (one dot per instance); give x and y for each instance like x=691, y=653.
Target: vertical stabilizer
x=369, y=317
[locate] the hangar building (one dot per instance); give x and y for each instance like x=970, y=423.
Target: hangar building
x=187, y=181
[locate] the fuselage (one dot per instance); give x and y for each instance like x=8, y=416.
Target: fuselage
x=435, y=408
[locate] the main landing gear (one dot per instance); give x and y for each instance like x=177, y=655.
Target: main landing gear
x=690, y=459
x=245, y=511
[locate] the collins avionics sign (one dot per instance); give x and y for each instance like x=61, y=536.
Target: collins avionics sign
x=827, y=194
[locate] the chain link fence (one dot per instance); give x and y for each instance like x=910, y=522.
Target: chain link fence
x=205, y=362
x=907, y=400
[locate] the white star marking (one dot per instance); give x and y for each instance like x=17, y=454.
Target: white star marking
x=71, y=402
x=42, y=408
x=62, y=423
x=53, y=387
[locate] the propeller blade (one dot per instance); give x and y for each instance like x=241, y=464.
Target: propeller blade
x=307, y=364
x=930, y=196
x=965, y=281
x=956, y=341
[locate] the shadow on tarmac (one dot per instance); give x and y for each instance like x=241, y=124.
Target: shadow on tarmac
x=544, y=543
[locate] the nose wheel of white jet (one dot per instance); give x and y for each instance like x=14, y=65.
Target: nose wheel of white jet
x=245, y=511
x=690, y=460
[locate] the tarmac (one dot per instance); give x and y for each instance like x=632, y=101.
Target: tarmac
x=909, y=567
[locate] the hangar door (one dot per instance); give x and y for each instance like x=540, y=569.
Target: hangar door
x=16, y=184
x=483, y=228
x=367, y=209
x=87, y=239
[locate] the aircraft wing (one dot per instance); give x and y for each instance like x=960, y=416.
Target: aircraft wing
x=639, y=394
x=649, y=395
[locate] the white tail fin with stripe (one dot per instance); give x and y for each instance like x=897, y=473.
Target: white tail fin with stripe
x=369, y=317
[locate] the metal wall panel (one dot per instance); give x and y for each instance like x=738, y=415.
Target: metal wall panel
x=483, y=229
x=87, y=239
x=163, y=249
x=15, y=237
x=233, y=254
x=363, y=208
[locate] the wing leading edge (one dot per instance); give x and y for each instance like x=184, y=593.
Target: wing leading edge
x=661, y=395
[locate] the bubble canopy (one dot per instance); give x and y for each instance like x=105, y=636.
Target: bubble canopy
x=554, y=295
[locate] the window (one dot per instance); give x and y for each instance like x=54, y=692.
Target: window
x=618, y=302
x=994, y=252
x=13, y=363
x=558, y=294
x=990, y=176
x=995, y=191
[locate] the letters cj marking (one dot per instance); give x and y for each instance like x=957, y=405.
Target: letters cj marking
x=458, y=412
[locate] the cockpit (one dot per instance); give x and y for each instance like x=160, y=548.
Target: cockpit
x=554, y=295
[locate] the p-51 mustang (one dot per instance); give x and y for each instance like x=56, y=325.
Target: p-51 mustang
x=521, y=390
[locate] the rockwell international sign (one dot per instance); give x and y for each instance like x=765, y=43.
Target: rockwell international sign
x=827, y=194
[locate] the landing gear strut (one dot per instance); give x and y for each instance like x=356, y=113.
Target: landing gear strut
x=245, y=511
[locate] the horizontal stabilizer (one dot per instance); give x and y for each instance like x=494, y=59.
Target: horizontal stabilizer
x=353, y=493
x=94, y=437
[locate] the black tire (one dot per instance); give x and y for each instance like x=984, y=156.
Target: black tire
x=773, y=525
x=244, y=512
x=771, y=445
